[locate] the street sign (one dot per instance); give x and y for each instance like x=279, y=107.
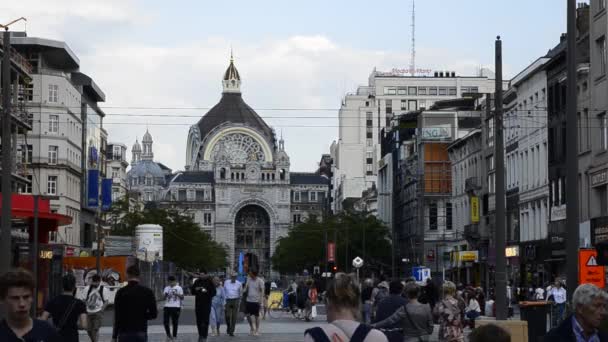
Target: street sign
x=589, y=272
x=421, y=273
x=357, y=262
x=331, y=252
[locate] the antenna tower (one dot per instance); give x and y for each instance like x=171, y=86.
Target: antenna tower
x=413, y=57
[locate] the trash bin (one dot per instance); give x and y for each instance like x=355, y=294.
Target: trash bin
x=535, y=313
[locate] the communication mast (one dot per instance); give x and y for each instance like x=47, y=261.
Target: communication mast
x=413, y=47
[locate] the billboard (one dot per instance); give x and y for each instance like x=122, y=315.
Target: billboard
x=93, y=188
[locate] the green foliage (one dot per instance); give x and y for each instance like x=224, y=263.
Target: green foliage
x=356, y=235
x=184, y=243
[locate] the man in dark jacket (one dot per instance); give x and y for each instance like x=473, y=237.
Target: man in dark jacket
x=203, y=291
x=589, y=304
x=387, y=306
x=134, y=306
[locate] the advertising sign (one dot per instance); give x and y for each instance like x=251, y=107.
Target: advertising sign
x=599, y=178
x=331, y=252
x=469, y=256
x=437, y=132
x=421, y=274
x=589, y=272
x=93, y=189
x=474, y=209
x=106, y=194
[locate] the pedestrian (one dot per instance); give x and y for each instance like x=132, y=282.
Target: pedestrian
x=559, y=299
x=302, y=295
x=343, y=315
x=589, y=304
x=539, y=293
x=267, y=289
x=203, y=291
x=17, y=295
x=481, y=299
x=217, y=307
x=473, y=309
x=174, y=295
x=292, y=295
x=68, y=313
x=366, y=300
x=490, y=333
x=254, y=289
x=388, y=306
x=431, y=293
x=311, y=301
x=416, y=318
x=134, y=306
x=96, y=299
x=378, y=294
x=232, y=291
x=449, y=313
x=509, y=299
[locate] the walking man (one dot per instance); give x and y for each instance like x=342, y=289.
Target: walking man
x=203, y=291
x=134, y=306
x=255, y=295
x=174, y=295
x=95, y=300
x=233, y=289
x=69, y=314
x=559, y=297
x=16, y=295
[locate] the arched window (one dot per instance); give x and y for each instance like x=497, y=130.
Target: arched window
x=223, y=173
x=232, y=176
x=263, y=176
x=282, y=174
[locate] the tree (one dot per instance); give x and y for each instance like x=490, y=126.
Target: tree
x=357, y=235
x=185, y=243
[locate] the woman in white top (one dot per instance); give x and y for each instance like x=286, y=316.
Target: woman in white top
x=472, y=311
x=343, y=315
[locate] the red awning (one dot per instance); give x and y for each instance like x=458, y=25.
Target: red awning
x=22, y=208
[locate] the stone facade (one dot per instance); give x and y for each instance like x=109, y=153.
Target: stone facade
x=237, y=184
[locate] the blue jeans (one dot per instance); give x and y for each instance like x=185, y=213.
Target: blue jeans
x=367, y=313
x=133, y=337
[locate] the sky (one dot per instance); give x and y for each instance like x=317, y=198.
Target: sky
x=297, y=59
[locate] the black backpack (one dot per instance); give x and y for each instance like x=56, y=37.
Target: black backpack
x=100, y=293
x=319, y=335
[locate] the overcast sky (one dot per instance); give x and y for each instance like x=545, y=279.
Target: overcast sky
x=290, y=54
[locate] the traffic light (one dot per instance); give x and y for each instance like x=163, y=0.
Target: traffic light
x=334, y=269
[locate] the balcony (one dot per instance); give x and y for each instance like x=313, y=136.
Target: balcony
x=472, y=184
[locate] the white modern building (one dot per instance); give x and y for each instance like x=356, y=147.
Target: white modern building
x=364, y=113
x=55, y=148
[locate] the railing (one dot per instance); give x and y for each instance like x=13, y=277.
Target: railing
x=17, y=58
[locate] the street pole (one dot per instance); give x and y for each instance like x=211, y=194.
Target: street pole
x=34, y=256
x=572, y=224
x=5, y=236
x=98, y=256
x=500, y=218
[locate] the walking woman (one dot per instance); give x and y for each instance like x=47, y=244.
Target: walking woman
x=217, y=307
x=450, y=314
x=343, y=315
x=416, y=318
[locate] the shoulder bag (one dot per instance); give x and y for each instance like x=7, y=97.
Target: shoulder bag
x=64, y=318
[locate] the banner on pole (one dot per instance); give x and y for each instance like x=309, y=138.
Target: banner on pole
x=331, y=252
x=106, y=194
x=93, y=189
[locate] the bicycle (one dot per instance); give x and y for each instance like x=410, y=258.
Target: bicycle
x=277, y=310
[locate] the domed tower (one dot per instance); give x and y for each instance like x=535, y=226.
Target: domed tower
x=136, y=153
x=232, y=79
x=147, y=146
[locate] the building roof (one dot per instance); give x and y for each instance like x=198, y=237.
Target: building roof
x=194, y=177
x=147, y=137
x=231, y=73
x=90, y=88
x=307, y=178
x=56, y=52
x=232, y=108
x=144, y=167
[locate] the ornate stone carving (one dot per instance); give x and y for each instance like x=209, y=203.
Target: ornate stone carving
x=239, y=148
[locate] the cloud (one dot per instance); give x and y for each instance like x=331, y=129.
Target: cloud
x=300, y=71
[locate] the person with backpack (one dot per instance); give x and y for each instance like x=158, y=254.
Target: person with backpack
x=343, y=311
x=311, y=302
x=174, y=295
x=379, y=293
x=68, y=313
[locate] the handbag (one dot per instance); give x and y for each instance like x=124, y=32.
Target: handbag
x=313, y=311
x=64, y=318
x=409, y=318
